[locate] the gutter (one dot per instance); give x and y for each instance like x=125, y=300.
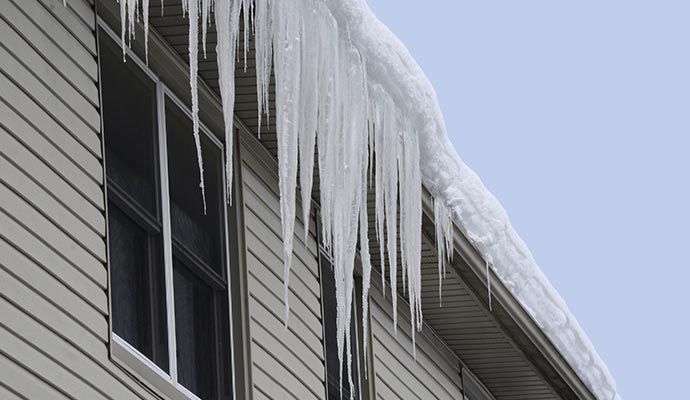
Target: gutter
x=527, y=336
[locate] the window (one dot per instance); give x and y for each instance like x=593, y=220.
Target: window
x=168, y=256
x=330, y=338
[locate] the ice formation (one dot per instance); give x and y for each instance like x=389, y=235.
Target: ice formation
x=347, y=86
x=443, y=222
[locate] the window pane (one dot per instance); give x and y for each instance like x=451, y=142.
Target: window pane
x=331, y=338
x=129, y=125
x=195, y=327
x=200, y=234
x=137, y=284
x=134, y=223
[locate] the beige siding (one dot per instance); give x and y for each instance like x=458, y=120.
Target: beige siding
x=285, y=365
x=53, y=278
x=435, y=374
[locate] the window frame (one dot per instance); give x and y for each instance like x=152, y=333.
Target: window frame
x=123, y=354
x=357, y=341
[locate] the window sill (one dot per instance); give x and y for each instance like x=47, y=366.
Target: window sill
x=146, y=372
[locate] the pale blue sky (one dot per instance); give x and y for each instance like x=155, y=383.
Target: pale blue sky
x=576, y=115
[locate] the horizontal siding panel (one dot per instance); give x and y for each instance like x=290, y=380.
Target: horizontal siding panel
x=383, y=391
x=34, y=304
x=86, y=183
x=47, y=23
x=272, y=289
x=86, y=260
x=304, y=285
x=39, y=320
x=399, y=374
x=84, y=10
x=6, y=394
x=267, y=232
x=20, y=48
x=84, y=127
x=23, y=185
x=30, y=274
x=263, y=307
x=72, y=22
x=29, y=386
x=283, y=374
x=51, y=52
x=32, y=247
x=30, y=111
x=286, y=364
x=307, y=373
x=34, y=361
x=267, y=387
x=50, y=181
x=260, y=203
x=386, y=377
x=64, y=353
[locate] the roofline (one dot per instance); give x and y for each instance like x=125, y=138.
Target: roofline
x=510, y=314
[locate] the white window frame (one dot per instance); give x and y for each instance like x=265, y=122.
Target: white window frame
x=123, y=353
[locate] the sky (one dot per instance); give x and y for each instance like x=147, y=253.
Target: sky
x=576, y=115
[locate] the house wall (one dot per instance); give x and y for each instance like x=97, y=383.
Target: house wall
x=53, y=278
x=284, y=364
x=435, y=374
x=54, y=329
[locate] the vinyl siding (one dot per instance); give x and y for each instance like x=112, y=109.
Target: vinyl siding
x=435, y=374
x=284, y=364
x=53, y=278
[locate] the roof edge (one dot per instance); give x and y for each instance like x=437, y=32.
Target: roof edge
x=504, y=302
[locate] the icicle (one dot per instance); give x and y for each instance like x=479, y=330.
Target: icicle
x=263, y=54
x=193, y=9
x=377, y=117
x=145, y=6
x=443, y=223
x=366, y=272
x=205, y=11
x=390, y=198
x=123, y=28
x=286, y=37
x=246, y=7
x=323, y=99
x=411, y=225
x=227, y=31
x=308, y=111
x=131, y=18
x=488, y=282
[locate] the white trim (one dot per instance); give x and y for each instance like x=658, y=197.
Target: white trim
x=122, y=342
x=167, y=234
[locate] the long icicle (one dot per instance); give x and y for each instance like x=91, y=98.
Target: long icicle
x=193, y=11
x=323, y=98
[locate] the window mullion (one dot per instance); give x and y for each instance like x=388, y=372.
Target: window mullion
x=167, y=235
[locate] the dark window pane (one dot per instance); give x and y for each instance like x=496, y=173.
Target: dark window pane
x=134, y=222
x=196, y=333
x=200, y=234
x=129, y=125
x=137, y=284
x=331, y=338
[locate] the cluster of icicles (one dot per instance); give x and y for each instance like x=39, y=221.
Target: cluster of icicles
x=323, y=101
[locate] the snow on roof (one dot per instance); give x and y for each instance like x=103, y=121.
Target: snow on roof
x=475, y=210
x=346, y=85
